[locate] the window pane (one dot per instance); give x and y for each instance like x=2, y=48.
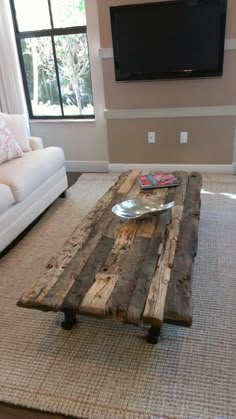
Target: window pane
x=67, y=13
x=74, y=72
x=32, y=14
x=41, y=76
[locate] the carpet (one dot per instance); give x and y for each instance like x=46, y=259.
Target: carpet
x=103, y=369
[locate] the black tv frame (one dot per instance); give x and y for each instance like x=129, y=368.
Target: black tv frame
x=175, y=74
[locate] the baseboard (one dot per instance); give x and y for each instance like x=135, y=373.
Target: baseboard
x=86, y=166
x=203, y=168
x=234, y=167
x=105, y=166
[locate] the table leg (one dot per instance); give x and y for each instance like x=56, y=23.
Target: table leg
x=69, y=319
x=153, y=334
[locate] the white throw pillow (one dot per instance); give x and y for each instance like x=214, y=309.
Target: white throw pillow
x=9, y=148
x=18, y=126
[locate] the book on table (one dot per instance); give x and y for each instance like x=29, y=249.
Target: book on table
x=157, y=180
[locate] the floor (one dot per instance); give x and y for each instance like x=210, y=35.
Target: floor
x=13, y=412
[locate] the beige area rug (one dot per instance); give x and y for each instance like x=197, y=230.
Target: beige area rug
x=102, y=369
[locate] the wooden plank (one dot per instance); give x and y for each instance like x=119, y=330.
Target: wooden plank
x=157, y=195
x=86, y=277
x=148, y=268
x=144, y=253
x=180, y=191
x=109, y=264
x=128, y=268
x=117, y=258
x=135, y=191
x=178, y=309
x=147, y=226
x=58, y=263
x=129, y=182
x=140, y=292
x=94, y=302
x=138, y=298
x=155, y=304
x=127, y=234
x=53, y=298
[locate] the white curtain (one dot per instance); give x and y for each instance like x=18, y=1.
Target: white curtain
x=12, y=99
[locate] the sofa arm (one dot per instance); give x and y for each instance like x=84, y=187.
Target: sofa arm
x=36, y=143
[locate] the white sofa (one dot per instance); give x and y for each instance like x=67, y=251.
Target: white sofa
x=28, y=185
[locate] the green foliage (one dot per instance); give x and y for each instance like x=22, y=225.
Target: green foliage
x=72, y=61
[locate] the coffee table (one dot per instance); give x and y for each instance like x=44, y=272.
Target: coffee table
x=135, y=271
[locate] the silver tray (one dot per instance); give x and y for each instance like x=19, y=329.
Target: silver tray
x=134, y=208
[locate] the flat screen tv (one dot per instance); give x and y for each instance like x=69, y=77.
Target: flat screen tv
x=168, y=39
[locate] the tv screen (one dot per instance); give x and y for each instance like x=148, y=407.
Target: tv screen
x=168, y=39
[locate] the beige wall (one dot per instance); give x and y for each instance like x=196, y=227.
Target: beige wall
x=211, y=139
x=128, y=140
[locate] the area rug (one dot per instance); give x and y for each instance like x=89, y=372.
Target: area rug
x=103, y=369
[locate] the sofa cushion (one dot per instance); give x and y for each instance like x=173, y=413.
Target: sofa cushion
x=24, y=175
x=6, y=198
x=18, y=126
x=9, y=148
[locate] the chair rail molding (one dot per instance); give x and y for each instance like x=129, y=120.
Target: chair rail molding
x=181, y=112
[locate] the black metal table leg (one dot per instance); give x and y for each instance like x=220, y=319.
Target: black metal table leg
x=153, y=334
x=69, y=319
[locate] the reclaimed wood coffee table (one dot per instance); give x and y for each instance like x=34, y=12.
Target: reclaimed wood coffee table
x=135, y=271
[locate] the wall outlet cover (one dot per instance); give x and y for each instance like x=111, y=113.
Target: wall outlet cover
x=184, y=137
x=151, y=137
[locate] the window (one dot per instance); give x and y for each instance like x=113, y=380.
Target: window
x=52, y=44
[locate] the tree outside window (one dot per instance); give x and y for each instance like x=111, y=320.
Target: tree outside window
x=53, y=50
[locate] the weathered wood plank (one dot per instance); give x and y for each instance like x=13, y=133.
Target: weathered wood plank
x=58, y=263
x=94, y=302
x=180, y=191
x=155, y=304
x=110, y=263
x=129, y=182
x=87, y=275
x=53, y=299
x=129, y=267
x=149, y=265
x=130, y=264
x=146, y=227
x=178, y=309
x=138, y=298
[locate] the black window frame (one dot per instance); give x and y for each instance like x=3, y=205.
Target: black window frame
x=51, y=32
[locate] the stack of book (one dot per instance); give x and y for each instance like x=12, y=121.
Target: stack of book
x=157, y=180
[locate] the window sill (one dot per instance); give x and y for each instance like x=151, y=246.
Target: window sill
x=61, y=121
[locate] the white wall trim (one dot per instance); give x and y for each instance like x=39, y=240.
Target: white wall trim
x=105, y=166
x=234, y=168
x=105, y=53
x=185, y=112
x=203, y=168
x=86, y=166
x=230, y=45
